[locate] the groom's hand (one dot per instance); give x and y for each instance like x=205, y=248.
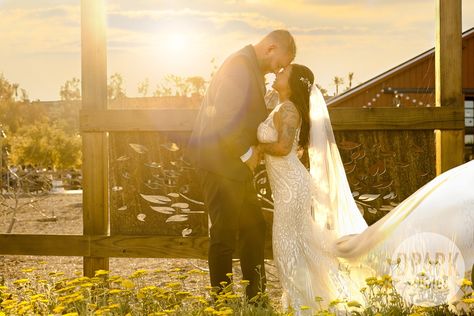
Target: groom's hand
x=254, y=160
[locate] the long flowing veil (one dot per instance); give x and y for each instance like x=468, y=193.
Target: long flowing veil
x=334, y=207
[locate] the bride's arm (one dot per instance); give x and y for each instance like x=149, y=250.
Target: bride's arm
x=286, y=121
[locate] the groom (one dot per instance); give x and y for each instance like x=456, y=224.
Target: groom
x=223, y=148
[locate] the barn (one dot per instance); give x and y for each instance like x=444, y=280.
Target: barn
x=412, y=84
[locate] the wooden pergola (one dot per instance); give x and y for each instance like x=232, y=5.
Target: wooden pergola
x=96, y=245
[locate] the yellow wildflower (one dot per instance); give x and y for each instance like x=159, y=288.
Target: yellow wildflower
x=101, y=273
x=21, y=281
x=354, y=304
x=466, y=282
x=115, y=291
x=173, y=284
x=58, y=309
x=128, y=284
x=88, y=284
x=37, y=296
x=138, y=273
x=335, y=302
x=169, y=311
x=244, y=282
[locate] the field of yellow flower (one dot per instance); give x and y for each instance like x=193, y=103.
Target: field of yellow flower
x=166, y=292
x=31, y=286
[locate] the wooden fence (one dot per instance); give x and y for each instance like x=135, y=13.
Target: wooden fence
x=99, y=125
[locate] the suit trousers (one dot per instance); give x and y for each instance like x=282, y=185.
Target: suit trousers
x=236, y=221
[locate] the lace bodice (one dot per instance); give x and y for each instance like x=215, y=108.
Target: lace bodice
x=267, y=132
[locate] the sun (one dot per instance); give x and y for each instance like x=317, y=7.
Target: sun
x=177, y=42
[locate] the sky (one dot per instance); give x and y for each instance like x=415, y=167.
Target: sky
x=40, y=39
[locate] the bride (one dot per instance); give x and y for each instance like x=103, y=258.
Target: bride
x=317, y=227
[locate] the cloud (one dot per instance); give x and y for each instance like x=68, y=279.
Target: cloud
x=40, y=30
x=41, y=40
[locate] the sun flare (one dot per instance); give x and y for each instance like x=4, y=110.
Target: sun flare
x=177, y=42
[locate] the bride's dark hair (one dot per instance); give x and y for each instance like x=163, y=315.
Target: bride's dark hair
x=301, y=81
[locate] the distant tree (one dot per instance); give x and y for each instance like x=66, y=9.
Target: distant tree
x=198, y=85
x=143, y=87
x=163, y=90
x=337, y=82
x=12, y=105
x=324, y=92
x=350, y=77
x=43, y=144
x=71, y=90
x=7, y=90
x=173, y=85
x=115, y=89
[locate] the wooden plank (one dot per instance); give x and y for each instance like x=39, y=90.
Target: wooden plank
x=448, y=70
x=94, y=148
x=93, y=54
x=449, y=149
x=341, y=119
x=137, y=120
x=150, y=246
x=95, y=193
x=44, y=245
x=108, y=246
x=396, y=118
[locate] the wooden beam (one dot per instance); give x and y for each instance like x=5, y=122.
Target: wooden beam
x=448, y=70
x=341, y=119
x=120, y=246
x=44, y=245
x=94, y=145
x=426, y=118
x=150, y=246
x=137, y=120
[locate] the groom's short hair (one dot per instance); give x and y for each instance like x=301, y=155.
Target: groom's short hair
x=284, y=38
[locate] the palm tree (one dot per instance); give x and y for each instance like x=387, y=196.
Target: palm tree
x=350, y=77
x=338, y=81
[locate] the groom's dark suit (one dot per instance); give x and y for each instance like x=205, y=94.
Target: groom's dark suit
x=225, y=129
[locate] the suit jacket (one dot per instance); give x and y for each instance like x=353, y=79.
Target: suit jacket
x=232, y=109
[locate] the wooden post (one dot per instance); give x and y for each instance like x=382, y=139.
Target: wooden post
x=94, y=144
x=448, y=55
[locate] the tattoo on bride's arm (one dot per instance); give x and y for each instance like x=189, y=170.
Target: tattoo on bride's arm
x=289, y=118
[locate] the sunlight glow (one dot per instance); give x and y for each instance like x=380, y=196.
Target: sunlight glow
x=177, y=42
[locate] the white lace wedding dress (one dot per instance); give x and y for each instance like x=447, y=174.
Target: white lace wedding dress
x=300, y=252
x=309, y=252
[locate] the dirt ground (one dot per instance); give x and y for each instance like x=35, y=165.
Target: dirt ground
x=62, y=214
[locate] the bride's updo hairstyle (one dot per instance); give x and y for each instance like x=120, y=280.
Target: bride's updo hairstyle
x=301, y=82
